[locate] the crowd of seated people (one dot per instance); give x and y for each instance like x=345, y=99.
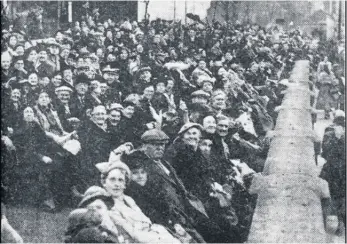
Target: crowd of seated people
x=149, y=129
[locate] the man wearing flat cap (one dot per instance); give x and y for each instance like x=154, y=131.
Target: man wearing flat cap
x=43, y=66
x=63, y=106
x=114, y=91
x=171, y=195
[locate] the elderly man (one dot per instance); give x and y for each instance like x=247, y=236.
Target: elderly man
x=96, y=148
x=169, y=193
x=63, y=106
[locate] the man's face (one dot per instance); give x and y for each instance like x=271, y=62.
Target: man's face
x=99, y=115
x=218, y=102
x=115, y=117
x=44, y=81
x=222, y=127
x=192, y=136
x=15, y=95
x=129, y=111
x=64, y=53
x=207, y=87
x=64, y=96
x=148, y=92
x=160, y=87
x=19, y=65
x=110, y=77
x=202, y=64
x=67, y=74
x=42, y=56
x=170, y=85
x=103, y=87
x=5, y=62
x=81, y=88
x=155, y=150
x=54, y=50
x=56, y=80
x=59, y=37
x=140, y=176
x=156, y=39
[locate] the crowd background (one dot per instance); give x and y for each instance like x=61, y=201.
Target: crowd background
x=172, y=116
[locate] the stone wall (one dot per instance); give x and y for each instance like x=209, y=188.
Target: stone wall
x=289, y=190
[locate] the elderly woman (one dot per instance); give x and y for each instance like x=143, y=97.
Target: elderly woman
x=114, y=178
x=33, y=171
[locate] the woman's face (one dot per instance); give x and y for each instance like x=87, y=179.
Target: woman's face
x=170, y=85
x=115, y=117
x=192, y=137
x=99, y=206
x=129, y=111
x=13, y=41
x=20, y=50
x=15, y=95
x=44, y=99
x=115, y=183
x=28, y=114
x=32, y=56
x=209, y=124
x=205, y=146
x=140, y=176
x=33, y=79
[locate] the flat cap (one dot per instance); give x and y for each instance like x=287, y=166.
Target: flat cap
x=63, y=88
x=200, y=93
x=93, y=193
x=154, y=135
x=188, y=126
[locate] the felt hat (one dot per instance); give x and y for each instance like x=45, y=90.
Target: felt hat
x=154, y=136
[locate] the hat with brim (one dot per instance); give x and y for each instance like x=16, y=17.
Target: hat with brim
x=93, y=193
x=53, y=43
x=136, y=159
x=82, y=78
x=154, y=136
x=188, y=126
